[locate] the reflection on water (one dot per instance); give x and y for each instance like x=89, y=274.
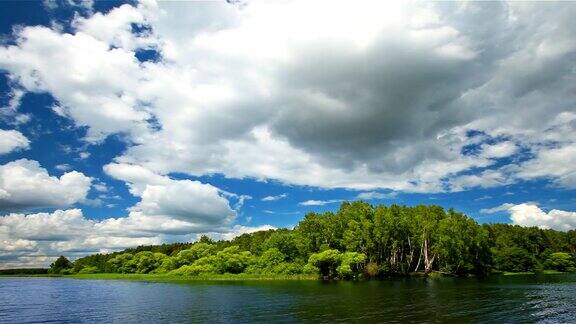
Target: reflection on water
x=549, y=298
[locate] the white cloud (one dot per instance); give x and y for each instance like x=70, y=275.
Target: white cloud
x=92, y=87
x=36, y=239
x=135, y=176
x=25, y=184
x=33, y=240
x=186, y=200
x=529, y=214
x=319, y=202
x=240, y=229
x=200, y=206
x=501, y=208
x=58, y=226
x=63, y=167
x=100, y=187
x=557, y=163
x=274, y=198
x=17, y=245
x=337, y=125
x=368, y=195
x=11, y=140
x=499, y=150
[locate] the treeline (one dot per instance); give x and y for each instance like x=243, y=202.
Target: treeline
x=359, y=240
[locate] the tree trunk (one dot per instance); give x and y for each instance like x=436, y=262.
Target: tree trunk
x=427, y=259
x=419, y=258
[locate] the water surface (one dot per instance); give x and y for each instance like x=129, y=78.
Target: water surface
x=550, y=298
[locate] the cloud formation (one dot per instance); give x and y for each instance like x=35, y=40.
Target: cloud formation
x=32, y=240
x=529, y=214
x=11, y=140
x=192, y=205
x=338, y=99
x=313, y=202
x=274, y=198
x=24, y=184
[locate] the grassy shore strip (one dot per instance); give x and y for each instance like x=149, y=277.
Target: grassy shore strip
x=210, y=277
x=545, y=272
x=239, y=277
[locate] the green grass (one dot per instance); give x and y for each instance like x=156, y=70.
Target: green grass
x=508, y=273
x=545, y=272
x=206, y=277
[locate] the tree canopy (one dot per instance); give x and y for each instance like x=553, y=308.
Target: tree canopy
x=359, y=240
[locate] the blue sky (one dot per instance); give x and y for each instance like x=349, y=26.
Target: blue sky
x=127, y=123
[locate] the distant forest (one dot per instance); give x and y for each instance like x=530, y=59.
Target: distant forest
x=357, y=241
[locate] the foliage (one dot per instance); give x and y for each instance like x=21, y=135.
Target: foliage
x=560, y=261
x=514, y=259
x=351, y=264
x=61, y=266
x=358, y=240
x=88, y=269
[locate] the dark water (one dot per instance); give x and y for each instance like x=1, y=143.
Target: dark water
x=549, y=298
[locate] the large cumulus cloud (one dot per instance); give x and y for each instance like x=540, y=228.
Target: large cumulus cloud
x=358, y=96
x=11, y=140
x=24, y=184
x=530, y=214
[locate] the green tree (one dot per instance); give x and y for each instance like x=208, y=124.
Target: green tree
x=326, y=261
x=285, y=242
x=351, y=265
x=514, y=259
x=560, y=261
x=61, y=266
x=122, y=263
x=195, y=252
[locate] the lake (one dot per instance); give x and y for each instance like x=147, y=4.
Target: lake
x=550, y=298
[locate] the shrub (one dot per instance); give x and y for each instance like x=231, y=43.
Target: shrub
x=193, y=270
x=372, y=270
x=326, y=261
x=88, y=269
x=514, y=259
x=351, y=264
x=560, y=261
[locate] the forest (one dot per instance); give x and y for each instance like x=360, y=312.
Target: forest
x=358, y=241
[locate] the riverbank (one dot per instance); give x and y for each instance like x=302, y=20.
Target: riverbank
x=206, y=277
x=240, y=277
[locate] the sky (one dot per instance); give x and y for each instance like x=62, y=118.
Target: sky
x=143, y=122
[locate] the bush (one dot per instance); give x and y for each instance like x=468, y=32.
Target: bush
x=310, y=269
x=326, y=261
x=193, y=270
x=61, y=266
x=560, y=261
x=88, y=269
x=288, y=268
x=514, y=259
x=232, y=260
x=197, y=251
x=351, y=264
x=168, y=264
x=122, y=263
x=147, y=261
x=372, y=270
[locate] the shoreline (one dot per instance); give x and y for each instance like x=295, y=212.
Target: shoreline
x=247, y=277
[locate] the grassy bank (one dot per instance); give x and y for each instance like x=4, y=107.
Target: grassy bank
x=206, y=277
x=545, y=272
x=239, y=277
